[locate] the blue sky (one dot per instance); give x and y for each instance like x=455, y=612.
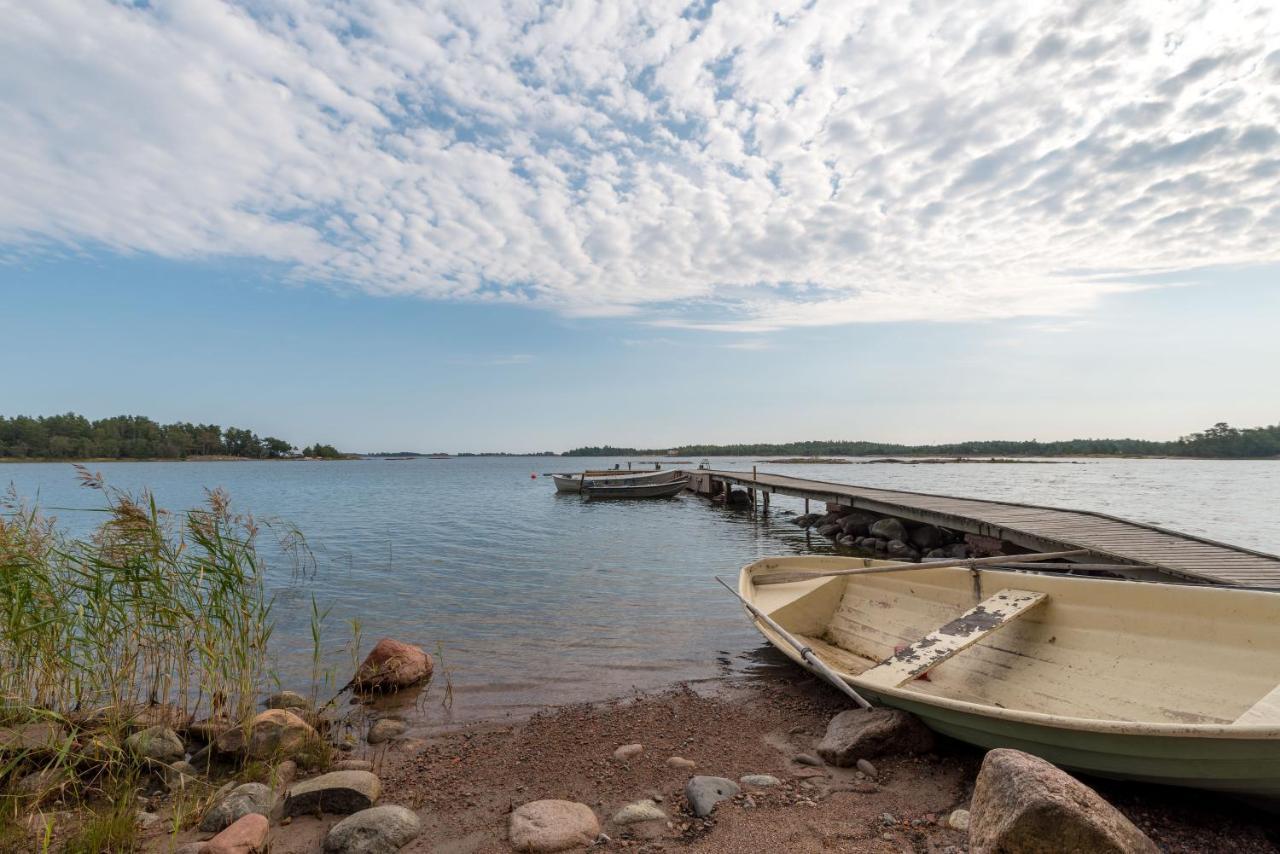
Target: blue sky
x=524, y=226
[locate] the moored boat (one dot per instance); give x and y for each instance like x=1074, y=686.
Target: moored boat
x=598, y=489
x=575, y=482
x=1163, y=683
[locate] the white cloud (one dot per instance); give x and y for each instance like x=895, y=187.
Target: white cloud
x=763, y=166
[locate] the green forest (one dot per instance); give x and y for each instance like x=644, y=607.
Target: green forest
x=135, y=437
x=1221, y=441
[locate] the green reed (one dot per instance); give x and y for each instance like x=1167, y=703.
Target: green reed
x=152, y=607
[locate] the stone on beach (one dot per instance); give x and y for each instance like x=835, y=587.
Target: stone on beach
x=958, y=820
x=156, y=742
x=42, y=786
x=243, y=800
x=703, y=793
x=643, y=810
x=353, y=765
x=339, y=792
x=385, y=729
x=806, y=759
x=548, y=826
x=377, y=830
x=392, y=665
x=681, y=763
x=859, y=733
x=759, y=781
x=248, y=835
x=628, y=751
x=32, y=738
x=275, y=732
x=1023, y=804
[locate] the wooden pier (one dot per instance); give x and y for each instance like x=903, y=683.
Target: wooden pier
x=1140, y=550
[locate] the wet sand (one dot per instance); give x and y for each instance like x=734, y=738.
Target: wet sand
x=464, y=783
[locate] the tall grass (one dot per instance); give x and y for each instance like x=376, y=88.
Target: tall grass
x=152, y=607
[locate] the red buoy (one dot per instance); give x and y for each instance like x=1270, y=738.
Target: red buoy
x=533, y=476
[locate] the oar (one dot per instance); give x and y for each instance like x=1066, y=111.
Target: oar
x=787, y=577
x=805, y=652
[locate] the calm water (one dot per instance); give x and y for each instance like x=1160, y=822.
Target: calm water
x=536, y=597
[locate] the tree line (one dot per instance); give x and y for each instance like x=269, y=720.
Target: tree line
x=136, y=437
x=1221, y=441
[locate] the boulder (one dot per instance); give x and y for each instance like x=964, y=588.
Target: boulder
x=640, y=811
x=889, y=529
x=338, y=792
x=392, y=665
x=156, y=742
x=1023, y=804
x=42, y=786
x=898, y=550
x=807, y=520
x=377, y=830
x=936, y=554
x=681, y=763
x=703, y=793
x=243, y=800
x=547, y=826
x=353, y=765
x=927, y=537
x=275, y=732
x=861, y=734
x=246, y=836
x=41, y=737
x=288, y=700
x=958, y=550
x=847, y=541
x=830, y=529
x=856, y=524
x=739, y=498
x=385, y=729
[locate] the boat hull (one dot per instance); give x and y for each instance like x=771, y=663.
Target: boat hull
x=575, y=482
x=599, y=492
x=1239, y=754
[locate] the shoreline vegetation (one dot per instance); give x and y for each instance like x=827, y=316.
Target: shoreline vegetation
x=1221, y=441
x=133, y=665
x=71, y=437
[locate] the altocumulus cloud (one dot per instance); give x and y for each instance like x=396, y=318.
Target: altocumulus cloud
x=736, y=166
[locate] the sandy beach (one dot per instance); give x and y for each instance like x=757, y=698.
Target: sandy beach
x=464, y=783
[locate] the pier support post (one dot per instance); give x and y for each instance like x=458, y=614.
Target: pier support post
x=766, y=502
x=806, y=507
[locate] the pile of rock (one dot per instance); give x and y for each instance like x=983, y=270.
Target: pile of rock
x=885, y=535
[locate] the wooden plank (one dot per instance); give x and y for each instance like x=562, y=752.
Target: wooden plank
x=959, y=634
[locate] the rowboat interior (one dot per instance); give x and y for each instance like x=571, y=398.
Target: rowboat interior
x=1132, y=654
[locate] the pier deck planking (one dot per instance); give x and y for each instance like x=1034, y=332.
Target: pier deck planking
x=1046, y=529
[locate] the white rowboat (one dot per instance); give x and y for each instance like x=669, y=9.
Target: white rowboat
x=1163, y=683
x=574, y=482
x=597, y=490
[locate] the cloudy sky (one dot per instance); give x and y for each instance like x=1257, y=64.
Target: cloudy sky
x=438, y=224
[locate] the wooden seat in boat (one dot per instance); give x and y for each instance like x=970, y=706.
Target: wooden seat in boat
x=1265, y=711
x=936, y=647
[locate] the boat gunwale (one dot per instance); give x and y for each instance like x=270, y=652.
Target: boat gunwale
x=1063, y=722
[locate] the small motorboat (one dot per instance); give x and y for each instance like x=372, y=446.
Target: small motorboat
x=601, y=488
x=1164, y=683
x=575, y=482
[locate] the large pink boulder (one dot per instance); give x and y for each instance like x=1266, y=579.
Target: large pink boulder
x=247, y=835
x=1024, y=805
x=393, y=665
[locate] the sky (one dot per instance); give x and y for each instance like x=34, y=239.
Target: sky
x=529, y=226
